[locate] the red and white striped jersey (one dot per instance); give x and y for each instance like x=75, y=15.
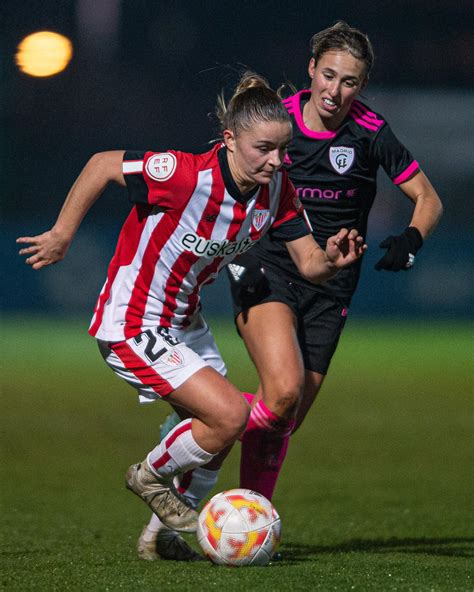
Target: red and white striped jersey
x=188, y=222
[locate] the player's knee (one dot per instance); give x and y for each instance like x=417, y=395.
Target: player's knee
x=286, y=397
x=234, y=422
x=287, y=406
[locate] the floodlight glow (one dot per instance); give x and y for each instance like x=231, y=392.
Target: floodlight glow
x=44, y=54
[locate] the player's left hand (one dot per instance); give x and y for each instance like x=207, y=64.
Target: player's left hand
x=401, y=250
x=345, y=247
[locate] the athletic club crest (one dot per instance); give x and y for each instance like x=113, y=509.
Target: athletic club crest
x=342, y=158
x=259, y=219
x=173, y=358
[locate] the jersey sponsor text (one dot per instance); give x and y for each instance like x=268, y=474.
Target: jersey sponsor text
x=316, y=192
x=213, y=248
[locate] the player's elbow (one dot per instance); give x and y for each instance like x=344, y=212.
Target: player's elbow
x=434, y=206
x=107, y=166
x=97, y=160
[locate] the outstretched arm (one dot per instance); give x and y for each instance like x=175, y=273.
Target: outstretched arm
x=51, y=246
x=317, y=265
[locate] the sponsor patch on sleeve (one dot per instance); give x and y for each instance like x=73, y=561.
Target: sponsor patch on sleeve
x=161, y=167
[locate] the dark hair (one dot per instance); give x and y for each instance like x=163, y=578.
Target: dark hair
x=253, y=101
x=342, y=37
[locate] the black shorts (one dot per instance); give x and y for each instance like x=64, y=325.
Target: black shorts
x=320, y=317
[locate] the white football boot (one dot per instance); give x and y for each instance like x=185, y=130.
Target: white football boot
x=170, y=507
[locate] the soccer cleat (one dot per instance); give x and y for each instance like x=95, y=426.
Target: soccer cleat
x=162, y=497
x=167, y=544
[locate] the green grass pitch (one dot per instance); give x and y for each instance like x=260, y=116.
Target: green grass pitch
x=376, y=493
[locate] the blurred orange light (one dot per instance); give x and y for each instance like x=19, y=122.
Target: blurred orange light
x=44, y=54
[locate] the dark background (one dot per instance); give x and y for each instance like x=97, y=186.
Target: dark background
x=145, y=75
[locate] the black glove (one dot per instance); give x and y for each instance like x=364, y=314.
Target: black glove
x=401, y=250
x=247, y=278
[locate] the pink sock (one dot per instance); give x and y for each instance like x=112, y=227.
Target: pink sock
x=249, y=397
x=264, y=446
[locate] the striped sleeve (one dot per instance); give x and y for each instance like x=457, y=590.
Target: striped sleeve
x=291, y=221
x=132, y=168
x=291, y=229
x=166, y=179
x=392, y=155
x=289, y=205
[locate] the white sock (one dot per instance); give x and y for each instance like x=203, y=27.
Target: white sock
x=152, y=528
x=177, y=453
x=195, y=485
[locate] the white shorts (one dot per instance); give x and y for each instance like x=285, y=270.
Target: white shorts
x=159, y=360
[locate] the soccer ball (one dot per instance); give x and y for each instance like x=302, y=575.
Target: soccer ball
x=239, y=527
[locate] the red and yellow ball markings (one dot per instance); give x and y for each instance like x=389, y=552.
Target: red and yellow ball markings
x=214, y=533
x=254, y=508
x=245, y=548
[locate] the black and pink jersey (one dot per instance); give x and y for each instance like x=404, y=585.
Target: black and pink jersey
x=189, y=221
x=335, y=177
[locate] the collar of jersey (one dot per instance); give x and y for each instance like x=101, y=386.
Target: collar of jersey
x=230, y=184
x=299, y=100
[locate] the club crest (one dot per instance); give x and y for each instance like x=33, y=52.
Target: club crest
x=173, y=358
x=259, y=219
x=341, y=158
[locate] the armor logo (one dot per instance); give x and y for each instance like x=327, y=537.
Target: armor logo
x=162, y=166
x=342, y=158
x=259, y=219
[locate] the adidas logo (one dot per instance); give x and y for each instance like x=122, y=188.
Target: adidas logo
x=236, y=271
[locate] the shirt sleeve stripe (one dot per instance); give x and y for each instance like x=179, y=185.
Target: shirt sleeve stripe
x=305, y=216
x=406, y=173
x=132, y=166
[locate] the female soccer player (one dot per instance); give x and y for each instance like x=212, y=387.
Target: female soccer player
x=193, y=215
x=288, y=323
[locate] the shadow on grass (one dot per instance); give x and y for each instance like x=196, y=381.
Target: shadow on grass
x=447, y=547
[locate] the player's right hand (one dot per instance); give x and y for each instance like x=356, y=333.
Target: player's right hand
x=44, y=249
x=345, y=248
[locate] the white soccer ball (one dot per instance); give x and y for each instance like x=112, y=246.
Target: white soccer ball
x=239, y=527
